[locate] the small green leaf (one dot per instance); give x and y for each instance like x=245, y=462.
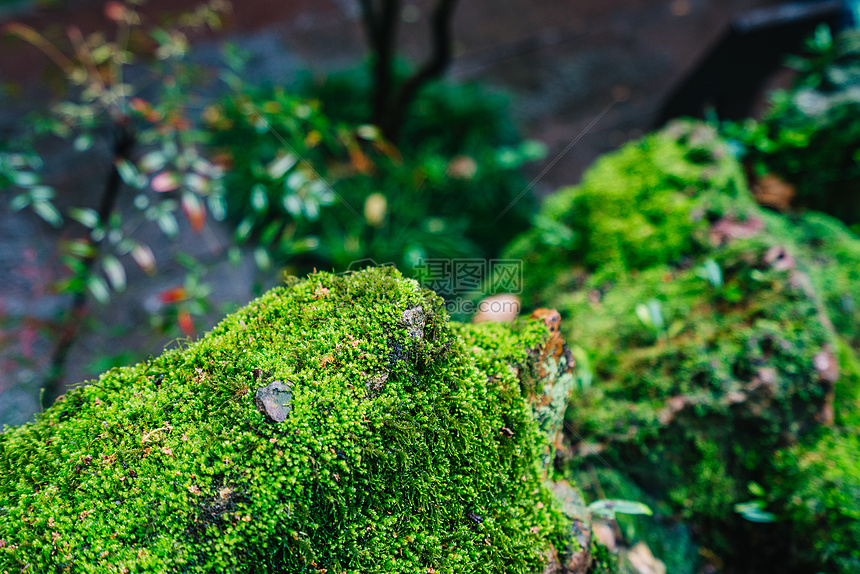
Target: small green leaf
x=311, y=208
x=655, y=311
x=168, y=225
x=368, y=132
x=42, y=193
x=217, y=206
x=755, y=489
x=78, y=248
x=115, y=272
x=24, y=178
x=197, y=182
x=262, y=258
x=98, y=289
x=296, y=180
x=128, y=172
x=754, y=511
x=152, y=162
x=293, y=204
x=20, y=201
x=823, y=39
x=533, y=150
x=712, y=272
x=644, y=315
x=609, y=507
x=243, y=230
x=234, y=255
x=85, y=216
x=508, y=158
x=83, y=142
x=48, y=212
x=259, y=198
x=278, y=168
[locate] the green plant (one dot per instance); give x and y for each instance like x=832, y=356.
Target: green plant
x=317, y=188
x=810, y=136
x=754, y=510
x=154, y=151
x=721, y=344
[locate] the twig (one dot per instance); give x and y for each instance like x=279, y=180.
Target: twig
x=124, y=141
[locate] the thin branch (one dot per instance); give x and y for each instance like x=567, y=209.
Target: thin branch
x=124, y=141
x=28, y=34
x=369, y=19
x=385, y=43
x=438, y=62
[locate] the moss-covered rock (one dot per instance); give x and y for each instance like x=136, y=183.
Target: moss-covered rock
x=407, y=444
x=716, y=341
x=646, y=205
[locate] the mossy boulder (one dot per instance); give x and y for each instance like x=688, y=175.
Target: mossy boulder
x=717, y=342
x=337, y=424
x=648, y=204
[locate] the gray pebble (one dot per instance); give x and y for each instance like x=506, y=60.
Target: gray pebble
x=273, y=400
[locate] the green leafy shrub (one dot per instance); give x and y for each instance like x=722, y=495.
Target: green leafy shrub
x=719, y=340
x=811, y=134
x=124, y=108
x=318, y=187
x=390, y=458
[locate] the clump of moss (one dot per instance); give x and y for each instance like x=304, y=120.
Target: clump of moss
x=645, y=205
x=390, y=459
x=718, y=337
x=819, y=483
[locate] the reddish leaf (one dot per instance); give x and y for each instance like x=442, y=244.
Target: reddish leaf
x=115, y=11
x=145, y=109
x=165, y=181
x=359, y=160
x=140, y=105
x=185, y=323
x=172, y=295
x=194, y=211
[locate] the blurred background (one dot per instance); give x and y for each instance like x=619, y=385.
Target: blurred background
x=544, y=72
x=162, y=163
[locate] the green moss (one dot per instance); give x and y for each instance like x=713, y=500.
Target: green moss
x=717, y=343
x=819, y=482
x=602, y=560
x=645, y=205
x=391, y=459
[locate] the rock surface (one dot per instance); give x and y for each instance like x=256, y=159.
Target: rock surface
x=175, y=465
